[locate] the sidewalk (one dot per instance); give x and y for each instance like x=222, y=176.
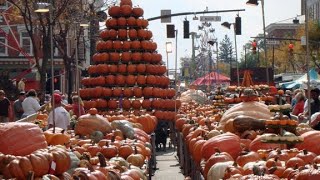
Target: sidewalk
x=167, y=166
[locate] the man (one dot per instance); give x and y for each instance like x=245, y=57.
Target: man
x=17, y=106
x=5, y=107
x=314, y=102
x=61, y=115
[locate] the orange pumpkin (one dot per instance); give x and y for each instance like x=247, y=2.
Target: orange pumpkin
x=106, y=92
x=136, y=104
x=131, y=80
x=120, y=79
x=141, y=68
x=122, y=34
x=126, y=57
x=136, y=57
x=135, y=45
x=122, y=68
x=116, y=92
x=121, y=21
x=133, y=34
x=141, y=80
x=126, y=2
x=117, y=45
x=112, y=104
x=131, y=21
x=148, y=123
x=21, y=147
x=126, y=104
x=113, y=69
x=137, y=12
x=125, y=10
x=126, y=45
x=114, y=11
x=151, y=80
x=128, y=92
x=110, y=80
x=137, y=92
x=147, y=57
x=146, y=104
x=131, y=68
x=111, y=22
x=115, y=57
x=104, y=34
x=113, y=34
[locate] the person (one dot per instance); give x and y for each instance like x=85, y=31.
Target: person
x=76, y=105
x=17, y=106
x=5, y=107
x=21, y=84
x=30, y=104
x=294, y=101
x=64, y=99
x=298, y=108
x=61, y=115
x=314, y=103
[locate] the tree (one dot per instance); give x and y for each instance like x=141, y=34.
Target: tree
x=226, y=50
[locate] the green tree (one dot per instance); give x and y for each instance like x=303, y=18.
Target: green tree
x=226, y=50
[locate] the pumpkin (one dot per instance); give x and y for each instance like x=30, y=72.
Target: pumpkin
x=126, y=57
x=141, y=68
x=131, y=80
x=126, y=45
x=126, y=2
x=309, y=143
x=87, y=124
x=136, y=57
x=113, y=104
x=115, y=57
x=125, y=10
x=247, y=156
x=306, y=156
x=17, y=144
x=309, y=173
x=125, y=150
x=151, y=80
x=113, y=35
x=131, y=21
x=59, y=137
x=114, y=11
x=111, y=23
x=295, y=161
x=217, y=170
x=133, y=34
x=127, y=92
x=88, y=173
x=148, y=122
x=117, y=92
x=120, y=79
x=135, y=158
x=256, y=145
x=215, y=158
x=101, y=103
x=226, y=142
x=104, y=34
x=143, y=23
x=121, y=21
x=135, y=45
x=110, y=80
x=141, y=80
x=109, y=151
x=131, y=68
x=137, y=92
x=136, y=104
x=137, y=12
x=106, y=92
x=122, y=68
x=146, y=104
x=142, y=34
x=126, y=104
x=117, y=45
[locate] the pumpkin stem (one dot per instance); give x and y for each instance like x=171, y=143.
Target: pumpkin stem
x=272, y=169
x=30, y=175
x=90, y=167
x=217, y=150
x=113, y=138
x=102, y=160
x=63, y=130
x=315, y=166
x=305, y=152
x=135, y=150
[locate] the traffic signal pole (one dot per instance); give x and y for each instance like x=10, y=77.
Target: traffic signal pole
x=193, y=13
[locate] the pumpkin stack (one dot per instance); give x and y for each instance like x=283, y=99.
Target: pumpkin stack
x=127, y=71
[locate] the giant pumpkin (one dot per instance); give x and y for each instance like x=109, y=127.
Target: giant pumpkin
x=227, y=142
x=21, y=138
x=310, y=142
x=88, y=123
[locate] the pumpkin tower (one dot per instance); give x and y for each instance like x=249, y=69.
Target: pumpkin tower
x=128, y=74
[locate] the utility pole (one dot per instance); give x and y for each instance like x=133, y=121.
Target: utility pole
x=193, y=57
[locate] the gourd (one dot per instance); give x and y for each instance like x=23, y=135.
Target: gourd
x=217, y=170
x=89, y=123
x=13, y=138
x=310, y=142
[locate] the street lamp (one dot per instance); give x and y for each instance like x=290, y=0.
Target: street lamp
x=228, y=25
x=255, y=3
x=212, y=42
x=43, y=7
x=168, y=50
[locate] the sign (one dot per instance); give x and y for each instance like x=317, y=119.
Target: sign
x=258, y=75
x=273, y=42
x=167, y=19
x=210, y=18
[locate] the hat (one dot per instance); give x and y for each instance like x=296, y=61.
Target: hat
x=22, y=93
x=57, y=91
x=57, y=98
x=316, y=90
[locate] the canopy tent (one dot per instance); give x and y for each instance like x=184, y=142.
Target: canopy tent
x=314, y=79
x=211, y=79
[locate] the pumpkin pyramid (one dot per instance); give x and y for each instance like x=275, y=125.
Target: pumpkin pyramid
x=128, y=73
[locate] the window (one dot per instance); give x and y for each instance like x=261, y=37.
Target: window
x=25, y=42
x=3, y=4
x=3, y=42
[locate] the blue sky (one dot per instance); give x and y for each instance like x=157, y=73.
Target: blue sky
x=275, y=11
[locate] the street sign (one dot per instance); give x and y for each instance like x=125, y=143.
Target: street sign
x=303, y=41
x=167, y=19
x=273, y=42
x=210, y=18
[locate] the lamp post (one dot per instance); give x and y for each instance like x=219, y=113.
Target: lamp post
x=255, y=3
x=43, y=7
x=228, y=25
x=212, y=42
x=168, y=50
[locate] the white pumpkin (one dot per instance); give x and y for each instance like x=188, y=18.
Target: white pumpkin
x=217, y=170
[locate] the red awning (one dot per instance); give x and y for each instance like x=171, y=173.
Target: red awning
x=211, y=79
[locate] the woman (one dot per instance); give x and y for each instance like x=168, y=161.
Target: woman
x=76, y=105
x=30, y=104
x=298, y=108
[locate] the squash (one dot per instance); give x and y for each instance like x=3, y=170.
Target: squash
x=13, y=138
x=88, y=123
x=226, y=142
x=60, y=137
x=125, y=127
x=253, y=109
x=310, y=142
x=217, y=170
x=242, y=123
x=256, y=145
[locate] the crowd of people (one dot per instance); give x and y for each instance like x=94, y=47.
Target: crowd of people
x=29, y=103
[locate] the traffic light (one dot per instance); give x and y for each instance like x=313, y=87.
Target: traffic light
x=291, y=49
x=238, y=25
x=254, y=47
x=186, y=29
x=170, y=31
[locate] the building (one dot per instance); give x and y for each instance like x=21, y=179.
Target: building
x=314, y=8
x=16, y=52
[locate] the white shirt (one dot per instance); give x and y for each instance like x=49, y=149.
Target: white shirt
x=61, y=116
x=30, y=105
